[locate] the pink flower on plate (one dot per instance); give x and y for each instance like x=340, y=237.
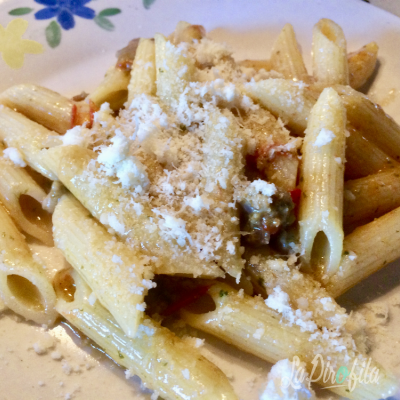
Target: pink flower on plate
x=13, y=47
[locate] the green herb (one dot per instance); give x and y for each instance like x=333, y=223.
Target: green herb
x=120, y=355
x=223, y=293
x=261, y=281
x=346, y=253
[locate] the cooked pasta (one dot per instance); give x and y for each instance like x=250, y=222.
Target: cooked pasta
x=191, y=188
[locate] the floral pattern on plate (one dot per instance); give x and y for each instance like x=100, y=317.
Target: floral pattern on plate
x=13, y=47
x=63, y=13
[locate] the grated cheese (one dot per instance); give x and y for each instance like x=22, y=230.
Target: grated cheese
x=324, y=137
x=14, y=155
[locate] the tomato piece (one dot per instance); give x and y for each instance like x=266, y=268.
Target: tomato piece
x=295, y=194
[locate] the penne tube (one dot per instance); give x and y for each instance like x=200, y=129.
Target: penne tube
x=143, y=73
x=24, y=287
x=363, y=157
x=114, y=207
x=371, y=197
x=330, y=65
x=365, y=251
x=286, y=57
x=370, y=119
x=41, y=105
x=28, y=137
x=18, y=188
x=322, y=172
x=222, y=136
x=302, y=289
x=285, y=99
x=362, y=64
x=174, y=70
x=247, y=323
x=114, y=272
x=164, y=362
x=113, y=89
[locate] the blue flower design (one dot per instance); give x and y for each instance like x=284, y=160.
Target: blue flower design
x=65, y=10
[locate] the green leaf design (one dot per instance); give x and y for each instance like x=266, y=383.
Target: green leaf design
x=21, y=11
x=147, y=3
x=104, y=23
x=53, y=34
x=109, y=12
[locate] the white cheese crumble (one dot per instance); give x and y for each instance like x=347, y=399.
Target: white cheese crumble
x=174, y=228
x=210, y=52
x=279, y=300
x=258, y=334
x=141, y=306
x=112, y=221
x=324, y=137
x=56, y=355
x=92, y=299
x=230, y=247
x=263, y=187
x=75, y=136
x=15, y=156
x=186, y=373
x=116, y=161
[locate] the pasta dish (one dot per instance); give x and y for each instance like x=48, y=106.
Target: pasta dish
x=239, y=198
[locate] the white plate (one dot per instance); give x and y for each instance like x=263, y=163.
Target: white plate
x=79, y=62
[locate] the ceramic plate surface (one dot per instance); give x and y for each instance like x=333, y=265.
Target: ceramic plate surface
x=68, y=49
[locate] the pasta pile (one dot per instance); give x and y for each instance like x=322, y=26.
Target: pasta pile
x=239, y=197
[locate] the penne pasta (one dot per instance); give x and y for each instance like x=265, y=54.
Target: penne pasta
x=371, y=197
x=247, y=323
x=143, y=73
x=139, y=229
x=321, y=204
x=370, y=119
x=107, y=266
x=362, y=64
x=221, y=131
x=16, y=188
x=24, y=287
x=181, y=196
x=285, y=99
x=330, y=65
x=174, y=70
x=113, y=89
x=42, y=105
x=28, y=137
x=363, y=157
x=172, y=368
x=293, y=105
x=286, y=57
x=365, y=251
